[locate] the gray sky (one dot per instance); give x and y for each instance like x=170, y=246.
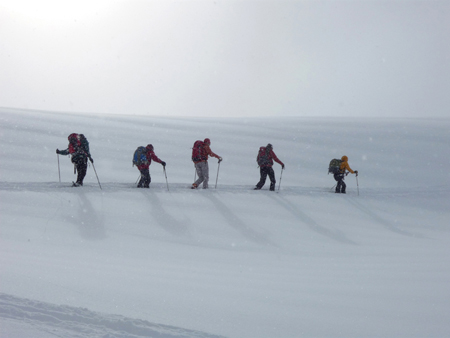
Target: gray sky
x=227, y=58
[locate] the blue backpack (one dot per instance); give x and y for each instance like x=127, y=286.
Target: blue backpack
x=140, y=156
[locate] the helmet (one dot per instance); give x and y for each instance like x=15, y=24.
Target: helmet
x=207, y=141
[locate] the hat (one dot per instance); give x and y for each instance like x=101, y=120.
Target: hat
x=73, y=137
x=207, y=141
x=269, y=146
x=149, y=147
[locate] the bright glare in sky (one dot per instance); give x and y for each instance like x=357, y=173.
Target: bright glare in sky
x=54, y=10
x=227, y=58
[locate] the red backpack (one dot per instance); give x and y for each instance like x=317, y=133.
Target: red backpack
x=198, y=152
x=74, y=143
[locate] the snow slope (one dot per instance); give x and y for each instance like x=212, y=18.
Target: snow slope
x=232, y=262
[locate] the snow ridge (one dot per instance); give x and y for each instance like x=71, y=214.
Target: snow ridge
x=72, y=322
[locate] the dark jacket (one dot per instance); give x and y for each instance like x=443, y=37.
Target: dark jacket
x=78, y=148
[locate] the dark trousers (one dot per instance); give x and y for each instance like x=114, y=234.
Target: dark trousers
x=81, y=168
x=340, y=186
x=264, y=171
x=145, y=180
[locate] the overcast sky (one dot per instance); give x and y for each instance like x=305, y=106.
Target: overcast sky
x=227, y=58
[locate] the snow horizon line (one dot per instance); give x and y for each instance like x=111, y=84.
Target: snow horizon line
x=149, y=115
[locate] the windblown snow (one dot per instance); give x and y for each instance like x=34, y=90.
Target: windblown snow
x=228, y=261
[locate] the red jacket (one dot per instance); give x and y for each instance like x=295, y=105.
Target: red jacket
x=150, y=156
x=271, y=157
x=207, y=152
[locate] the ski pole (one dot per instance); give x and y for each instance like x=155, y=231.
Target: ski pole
x=281, y=175
x=165, y=174
x=96, y=175
x=138, y=178
x=59, y=170
x=333, y=187
x=217, y=177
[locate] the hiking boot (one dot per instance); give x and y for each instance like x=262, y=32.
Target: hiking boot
x=257, y=188
x=194, y=186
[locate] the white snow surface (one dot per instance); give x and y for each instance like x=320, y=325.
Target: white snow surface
x=231, y=261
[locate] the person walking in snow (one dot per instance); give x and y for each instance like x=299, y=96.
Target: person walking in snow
x=143, y=157
x=79, y=151
x=340, y=175
x=265, y=159
x=200, y=153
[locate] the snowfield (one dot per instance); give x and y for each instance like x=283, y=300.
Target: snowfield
x=231, y=261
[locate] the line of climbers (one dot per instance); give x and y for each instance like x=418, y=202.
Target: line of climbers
x=79, y=150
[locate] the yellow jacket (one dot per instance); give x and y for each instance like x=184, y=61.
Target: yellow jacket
x=344, y=165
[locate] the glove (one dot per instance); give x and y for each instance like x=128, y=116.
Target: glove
x=90, y=159
x=163, y=163
x=57, y=151
x=220, y=159
x=356, y=172
x=282, y=166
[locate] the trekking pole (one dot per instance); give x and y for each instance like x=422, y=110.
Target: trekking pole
x=333, y=187
x=138, y=178
x=217, y=177
x=279, y=184
x=357, y=184
x=195, y=173
x=96, y=176
x=59, y=171
x=165, y=174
